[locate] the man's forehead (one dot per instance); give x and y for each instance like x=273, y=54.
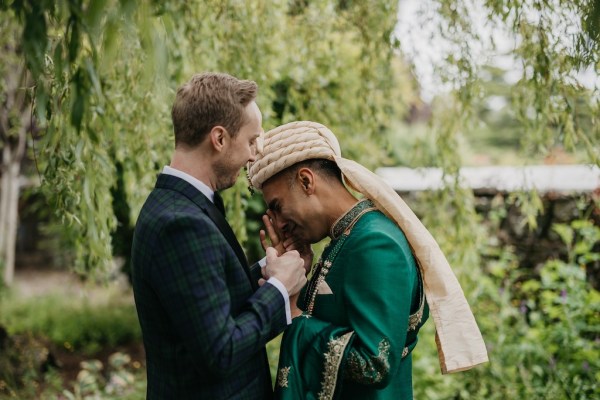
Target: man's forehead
x=272, y=187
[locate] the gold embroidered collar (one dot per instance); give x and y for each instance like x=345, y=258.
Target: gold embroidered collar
x=346, y=221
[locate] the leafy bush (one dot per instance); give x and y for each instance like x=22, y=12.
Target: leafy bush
x=24, y=363
x=78, y=326
x=542, y=332
x=119, y=381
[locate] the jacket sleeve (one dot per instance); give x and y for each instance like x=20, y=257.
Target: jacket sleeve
x=189, y=277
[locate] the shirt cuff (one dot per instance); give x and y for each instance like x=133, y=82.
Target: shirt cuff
x=277, y=283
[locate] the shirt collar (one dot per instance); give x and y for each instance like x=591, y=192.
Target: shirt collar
x=198, y=184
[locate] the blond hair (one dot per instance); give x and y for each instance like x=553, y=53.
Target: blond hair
x=208, y=100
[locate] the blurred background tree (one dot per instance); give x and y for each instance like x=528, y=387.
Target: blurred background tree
x=105, y=74
x=16, y=119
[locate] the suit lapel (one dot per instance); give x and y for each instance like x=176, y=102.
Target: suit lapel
x=221, y=223
x=174, y=183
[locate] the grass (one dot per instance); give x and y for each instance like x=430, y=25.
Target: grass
x=77, y=324
x=81, y=325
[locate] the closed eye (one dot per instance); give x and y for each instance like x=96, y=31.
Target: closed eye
x=274, y=205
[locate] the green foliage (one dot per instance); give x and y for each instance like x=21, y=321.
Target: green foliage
x=41, y=327
x=35, y=386
x=106, y=72
x=273, y=355
x=552, y=45
x=541, y=332
x=119, y=381
x=23, y=359
x=2, y=284
x=76, y=326
x=548, y=109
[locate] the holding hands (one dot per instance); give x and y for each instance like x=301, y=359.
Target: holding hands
x=287, y=268
x=285, y=246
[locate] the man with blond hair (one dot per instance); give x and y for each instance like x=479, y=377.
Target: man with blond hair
x=205, y=320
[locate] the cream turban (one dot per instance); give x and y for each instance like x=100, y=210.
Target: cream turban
x=459, y=341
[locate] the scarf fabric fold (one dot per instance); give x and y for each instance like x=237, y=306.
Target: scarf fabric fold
x=459, y=341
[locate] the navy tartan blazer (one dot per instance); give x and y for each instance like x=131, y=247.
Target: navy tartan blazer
x=205, y=323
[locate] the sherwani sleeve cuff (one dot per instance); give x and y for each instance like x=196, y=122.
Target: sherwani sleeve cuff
x=277, y=283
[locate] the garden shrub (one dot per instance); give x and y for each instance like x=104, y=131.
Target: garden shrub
x=24, y=360
x=119, y=380
x=77, y=326
x=542, y=330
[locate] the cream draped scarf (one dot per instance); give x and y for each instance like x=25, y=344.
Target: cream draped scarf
x=459, y=341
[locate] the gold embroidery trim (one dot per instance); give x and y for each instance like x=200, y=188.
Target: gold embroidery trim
x=415, y=319
x=323, y=271
x=333, y=360
x=373, y=371
x=339, y=232
x=282, y=377
x=347, y=220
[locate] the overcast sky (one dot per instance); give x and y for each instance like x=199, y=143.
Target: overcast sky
x=420, y=42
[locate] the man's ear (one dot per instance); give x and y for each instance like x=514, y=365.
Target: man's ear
x=306, y=178
x=217, y=136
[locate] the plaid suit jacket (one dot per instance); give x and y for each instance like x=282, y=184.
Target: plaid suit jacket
x=204, y=323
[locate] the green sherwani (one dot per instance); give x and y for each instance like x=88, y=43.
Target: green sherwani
x=363, y=308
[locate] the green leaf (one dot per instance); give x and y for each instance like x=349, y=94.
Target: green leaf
x=77, y=110
x=565, y=232
x=74, y=38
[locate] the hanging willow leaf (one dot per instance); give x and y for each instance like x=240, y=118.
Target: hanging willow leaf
x=73, y=34
x=78, y=106
x=107, y=70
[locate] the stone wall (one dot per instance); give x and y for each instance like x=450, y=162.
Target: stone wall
x=568, y=193
x=535, y=246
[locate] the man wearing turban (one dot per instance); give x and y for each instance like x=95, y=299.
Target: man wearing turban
x=375, y=284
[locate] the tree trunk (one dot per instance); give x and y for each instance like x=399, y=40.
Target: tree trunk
x=15, y=123
x=4, y=194
x=9, y=204
x=14, y=138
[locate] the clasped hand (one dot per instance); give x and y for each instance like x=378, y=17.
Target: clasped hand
x=287, y=268
x=284, y=245
x=290, y=245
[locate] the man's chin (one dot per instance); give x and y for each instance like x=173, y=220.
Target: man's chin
x=226, y=184
x=223, y=186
